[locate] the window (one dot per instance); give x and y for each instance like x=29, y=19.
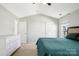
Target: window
x=63, y=29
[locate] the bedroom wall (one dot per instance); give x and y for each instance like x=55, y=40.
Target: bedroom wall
x=72, y=19
x=7, y=22
x=38, y=26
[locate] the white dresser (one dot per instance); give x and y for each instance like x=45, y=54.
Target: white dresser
x=9, y=44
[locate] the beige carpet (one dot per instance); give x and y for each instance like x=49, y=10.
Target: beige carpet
x=26, y=50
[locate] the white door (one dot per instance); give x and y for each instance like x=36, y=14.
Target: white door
x=36, y=30
x=51, y=29
x=22, y=30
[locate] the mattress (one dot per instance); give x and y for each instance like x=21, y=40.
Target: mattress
x=57, y=47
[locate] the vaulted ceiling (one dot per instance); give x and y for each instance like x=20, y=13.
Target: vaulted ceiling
x=55, y=10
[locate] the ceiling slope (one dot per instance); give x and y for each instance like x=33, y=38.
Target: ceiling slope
x=56, y=10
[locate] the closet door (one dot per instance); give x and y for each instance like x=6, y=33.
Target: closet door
x=51, y=29
x=36, y=29
x=22, y=28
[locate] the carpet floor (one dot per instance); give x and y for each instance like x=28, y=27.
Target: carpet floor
x=26, y=50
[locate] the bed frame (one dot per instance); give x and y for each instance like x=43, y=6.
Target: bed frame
x=73, y=29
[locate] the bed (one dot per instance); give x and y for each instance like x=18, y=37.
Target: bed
x=59, y=46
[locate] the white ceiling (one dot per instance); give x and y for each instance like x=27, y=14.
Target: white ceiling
x=21, y=9
x=58, y=8
x=27, y=9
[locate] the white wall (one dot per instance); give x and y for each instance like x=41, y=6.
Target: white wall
x=7, y=22
x=71, y=19
x=39, y=26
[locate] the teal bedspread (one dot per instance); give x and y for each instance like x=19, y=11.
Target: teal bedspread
x=57, y=47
